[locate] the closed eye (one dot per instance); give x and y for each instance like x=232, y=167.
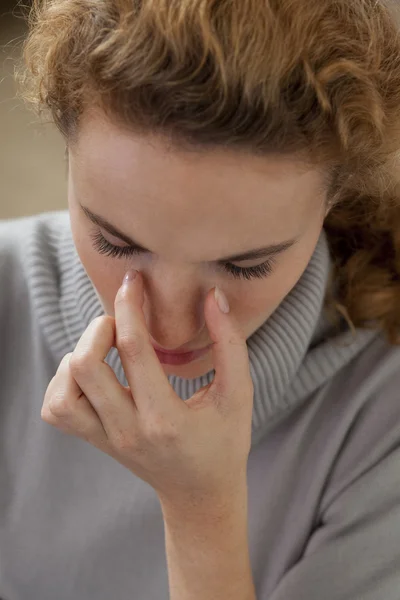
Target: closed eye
x=103, y=246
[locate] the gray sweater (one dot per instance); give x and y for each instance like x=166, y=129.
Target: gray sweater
x=323, y=472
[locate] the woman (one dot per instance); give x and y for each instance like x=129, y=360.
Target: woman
x=248, y=147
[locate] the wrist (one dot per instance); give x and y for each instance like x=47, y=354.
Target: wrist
x=224, y=511
x=207, y=548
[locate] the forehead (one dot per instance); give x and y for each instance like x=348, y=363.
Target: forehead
x=270, y=197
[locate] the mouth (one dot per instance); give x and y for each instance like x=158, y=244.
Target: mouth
x=180, y=358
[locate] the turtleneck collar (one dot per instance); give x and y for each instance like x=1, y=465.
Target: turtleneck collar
x=291, y=355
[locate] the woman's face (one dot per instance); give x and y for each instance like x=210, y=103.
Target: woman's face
x=190, y=210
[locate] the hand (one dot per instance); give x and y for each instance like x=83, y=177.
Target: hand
x=187, y=451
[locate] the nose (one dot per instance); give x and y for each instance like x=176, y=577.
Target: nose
x=176, y=322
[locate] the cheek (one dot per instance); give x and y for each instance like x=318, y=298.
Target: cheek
x=256, y=307
x=253, y=308
x=107, y=280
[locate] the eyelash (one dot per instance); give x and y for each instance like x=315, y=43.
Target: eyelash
x=258, y=272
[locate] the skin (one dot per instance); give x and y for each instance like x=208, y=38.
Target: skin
x=190, y=209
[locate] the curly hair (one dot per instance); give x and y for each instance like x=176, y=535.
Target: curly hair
x=319, y=78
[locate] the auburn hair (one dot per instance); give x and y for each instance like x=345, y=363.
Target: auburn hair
x=316, y=78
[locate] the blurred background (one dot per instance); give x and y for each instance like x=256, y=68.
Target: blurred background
x=32, y=165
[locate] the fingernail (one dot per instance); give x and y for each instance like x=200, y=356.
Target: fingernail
x=129, y=277
x=221, y=300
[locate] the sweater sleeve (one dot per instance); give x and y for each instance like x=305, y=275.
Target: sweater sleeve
x=16, y=285
x=354, y=550
x=13, y=288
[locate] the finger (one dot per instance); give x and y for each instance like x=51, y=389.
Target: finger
x=112, y=402
x=232, y=378
x=66, y=407
x=150, y=387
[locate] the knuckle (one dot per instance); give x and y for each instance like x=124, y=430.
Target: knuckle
x=46, y=415
x=81, y=362
x=58, y=405
x=126, y=442
x=64, y=363
x=130, y=344
x=160, y=430
x=102, y=321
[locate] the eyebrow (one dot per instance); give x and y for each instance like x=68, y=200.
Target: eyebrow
x=272, y=250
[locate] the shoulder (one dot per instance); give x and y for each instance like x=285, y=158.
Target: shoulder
x=365, y=410
x=17, y=234
x=353, y=547
x=22, y=240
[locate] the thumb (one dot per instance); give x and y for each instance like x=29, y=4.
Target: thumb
x=232, y=378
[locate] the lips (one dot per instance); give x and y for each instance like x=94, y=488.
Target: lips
x=177, y=352
x=182, y=358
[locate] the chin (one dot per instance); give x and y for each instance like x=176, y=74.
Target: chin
x=190, y=371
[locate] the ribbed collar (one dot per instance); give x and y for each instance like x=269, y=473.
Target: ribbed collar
x=291, y=355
